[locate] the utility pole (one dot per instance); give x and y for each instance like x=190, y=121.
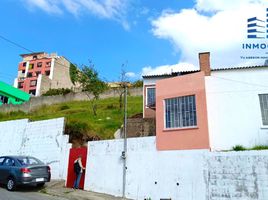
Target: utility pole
x=124, y=153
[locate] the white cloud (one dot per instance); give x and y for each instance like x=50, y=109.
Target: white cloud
x=49, y=6
x=220, y=5
x=167, y=69
x=131, y=75
x=108, y=9
x=221, y=30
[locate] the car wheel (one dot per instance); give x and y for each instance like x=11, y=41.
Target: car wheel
x=11, y=184
x=40, y=184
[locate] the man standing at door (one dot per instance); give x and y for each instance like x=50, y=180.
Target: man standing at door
x=78, y=169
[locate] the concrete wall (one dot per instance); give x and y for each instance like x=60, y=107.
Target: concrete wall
x=60, y=74
x=184, y=174
x=36, y=102
x=238, y=175
x=234, y=114
x=150, y=173
x=42, y=139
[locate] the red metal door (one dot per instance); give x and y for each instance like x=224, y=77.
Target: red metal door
x=74, y=153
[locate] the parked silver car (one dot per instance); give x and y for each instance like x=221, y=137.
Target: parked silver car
x=23, y=170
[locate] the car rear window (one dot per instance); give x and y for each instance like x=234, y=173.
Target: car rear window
x=1, y=160
x=29, y=161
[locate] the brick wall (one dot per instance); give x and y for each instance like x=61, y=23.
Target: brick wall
x=140, y=127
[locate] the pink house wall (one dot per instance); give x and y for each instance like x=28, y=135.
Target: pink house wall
x=182, y=138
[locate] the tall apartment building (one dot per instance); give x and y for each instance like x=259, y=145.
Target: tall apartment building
x=38, y=72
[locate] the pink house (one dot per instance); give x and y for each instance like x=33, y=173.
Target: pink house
x=201, y=109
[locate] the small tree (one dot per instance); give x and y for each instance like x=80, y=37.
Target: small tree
x=123, y=80
x=92, y=85
x=74, y=73
x=138, y=83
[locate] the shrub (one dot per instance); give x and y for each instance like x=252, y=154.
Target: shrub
x=76, y=128
x=60, y=91
x=16, y=113
x=239, y=148
x=260, y=147
x=64, y=107
x=111, y=106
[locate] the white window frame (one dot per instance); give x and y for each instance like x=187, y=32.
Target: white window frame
x=183, y=127
x=262, y=125
x=146, y=100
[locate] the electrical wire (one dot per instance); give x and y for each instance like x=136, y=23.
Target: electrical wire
x=15, y=43
x=241, y=82
x=27, y=49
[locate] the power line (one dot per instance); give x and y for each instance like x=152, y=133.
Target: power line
x=15, y=43
x=22, y=47
x=242, y=82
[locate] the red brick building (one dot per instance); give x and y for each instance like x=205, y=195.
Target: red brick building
x=38, y=72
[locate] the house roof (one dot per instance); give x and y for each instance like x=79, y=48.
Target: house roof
x=238, y=68
x=31, y=54
x=9, y=90
x=172, y=74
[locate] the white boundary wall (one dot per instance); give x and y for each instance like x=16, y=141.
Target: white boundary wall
x=42, y=139
x=150, y=173
x=201, y=175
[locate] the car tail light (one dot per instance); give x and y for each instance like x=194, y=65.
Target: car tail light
x=48, y=169
x=25, y=170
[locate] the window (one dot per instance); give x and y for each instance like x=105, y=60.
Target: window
x=48, y=64
x=30, y=74
x=33, y=83
x=150, y=97
x=3, y=99
x=1, y=160
x=180, y=112
x=29, y=161
x=37, y=73
x=39, y=64
x=9, y=162
x=34, y=57
x=20, y=85
x=31, y=66
x=24, y=64
x=264, y=108
x=23, y=71
x=47, y=73
x=32, y=92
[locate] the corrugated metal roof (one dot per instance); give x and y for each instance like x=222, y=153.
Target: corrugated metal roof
x=192, y=71
x=9, y=90
x=236, y=68
x=170, y=74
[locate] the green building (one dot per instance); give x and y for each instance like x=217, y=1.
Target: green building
x=12, y=95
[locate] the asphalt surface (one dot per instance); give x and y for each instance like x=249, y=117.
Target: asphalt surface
x=53, y=190
x=27, y=193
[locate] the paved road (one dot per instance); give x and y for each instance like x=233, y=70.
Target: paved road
x=26, y=194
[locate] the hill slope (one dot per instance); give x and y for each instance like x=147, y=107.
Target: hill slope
x=79, y=115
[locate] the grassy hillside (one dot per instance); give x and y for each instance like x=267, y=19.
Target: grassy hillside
x=78, y=113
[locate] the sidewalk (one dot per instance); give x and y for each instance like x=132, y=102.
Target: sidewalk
x=57, y=188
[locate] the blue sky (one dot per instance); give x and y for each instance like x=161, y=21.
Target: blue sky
x=87, y=36
x=150, y=36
